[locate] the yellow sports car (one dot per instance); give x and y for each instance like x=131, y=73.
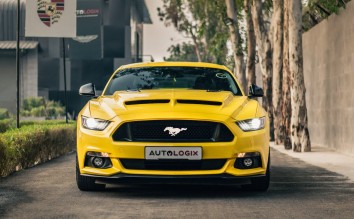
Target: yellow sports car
x=172, y=122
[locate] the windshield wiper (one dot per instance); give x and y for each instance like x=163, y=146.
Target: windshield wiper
x=133, y=90
x=211, y=90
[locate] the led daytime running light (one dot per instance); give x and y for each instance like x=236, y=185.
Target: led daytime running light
x=252, y=124
x=94, y=124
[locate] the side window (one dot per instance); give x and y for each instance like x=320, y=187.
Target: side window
x=233, y=86
x=124, y=82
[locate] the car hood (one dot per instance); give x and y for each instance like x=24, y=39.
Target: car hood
x=167, y=101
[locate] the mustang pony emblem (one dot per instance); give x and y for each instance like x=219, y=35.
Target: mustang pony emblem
x=174, y=131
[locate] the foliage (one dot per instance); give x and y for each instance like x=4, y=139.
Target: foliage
x=45, y=122
x=317, y=10
x=201, y=21
x=33, y=144
x=39, y=107
x=182, y=52
x=6, y=124
x=4, y=113
x=6, y=120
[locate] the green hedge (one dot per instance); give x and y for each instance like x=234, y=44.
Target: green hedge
x=34, y=144
x=8, y=124
x=4, y=114
x=40, y=107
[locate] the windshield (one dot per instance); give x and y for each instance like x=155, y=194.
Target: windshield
x=197, y=78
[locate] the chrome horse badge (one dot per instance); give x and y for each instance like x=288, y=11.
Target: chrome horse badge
x=174, y=131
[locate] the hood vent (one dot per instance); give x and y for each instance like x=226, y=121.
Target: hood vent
x=202, y=102
x=136, y=102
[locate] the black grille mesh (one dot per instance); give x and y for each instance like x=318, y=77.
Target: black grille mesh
x=158, y=131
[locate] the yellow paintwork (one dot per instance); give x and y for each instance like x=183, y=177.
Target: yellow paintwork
x=112, y=108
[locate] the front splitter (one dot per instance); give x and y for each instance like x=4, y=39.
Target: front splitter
x=217, y=179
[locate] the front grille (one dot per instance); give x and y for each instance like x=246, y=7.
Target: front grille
x=141, y=164
x=173, y=131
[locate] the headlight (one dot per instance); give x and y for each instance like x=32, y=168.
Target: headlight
x=252, y=124
x=94, y=124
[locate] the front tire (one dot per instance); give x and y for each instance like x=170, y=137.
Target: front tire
x=86, y=183
x=260, y=184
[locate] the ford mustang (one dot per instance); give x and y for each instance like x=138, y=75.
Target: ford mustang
x=172, y=122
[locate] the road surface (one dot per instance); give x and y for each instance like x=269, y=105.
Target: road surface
x=297, y=190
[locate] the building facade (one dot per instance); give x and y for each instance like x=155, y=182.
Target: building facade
x=109, y=34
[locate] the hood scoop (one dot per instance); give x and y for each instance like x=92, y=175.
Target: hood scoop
x=202, y=102
x=136, y=102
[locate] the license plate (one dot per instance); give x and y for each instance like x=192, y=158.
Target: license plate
x=186, y=153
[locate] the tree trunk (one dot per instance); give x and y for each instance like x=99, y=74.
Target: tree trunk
x=299, y=131
x=196, y=44
x=286, y=98
x=265, y=56
x=235, y=37
x=251, y=46
x=206, y=38
x=277, y=69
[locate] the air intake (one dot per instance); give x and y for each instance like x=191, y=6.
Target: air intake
x=141, y=164
x=202, y=102
x=136, y=102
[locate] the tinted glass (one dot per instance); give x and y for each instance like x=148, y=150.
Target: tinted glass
x=209, y=79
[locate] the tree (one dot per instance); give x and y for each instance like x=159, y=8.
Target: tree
x=201, y=22
x=182, y=52
x=175, y=14
x=236, y=41
x=208, y=16
x=286, y=98
x=278, y=69
x=264, y=45
x=251, y=46
x=299, y=130
x=279, y=50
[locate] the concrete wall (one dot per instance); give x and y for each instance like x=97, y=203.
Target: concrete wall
x=8, y=82
x=29, y=74
x=28, y=77
x=329, y=79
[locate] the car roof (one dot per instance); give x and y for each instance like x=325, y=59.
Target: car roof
x=177, y=64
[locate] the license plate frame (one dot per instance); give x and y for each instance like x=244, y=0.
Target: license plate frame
x=173, y=153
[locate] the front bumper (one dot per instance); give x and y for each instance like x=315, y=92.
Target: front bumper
x=244, y=142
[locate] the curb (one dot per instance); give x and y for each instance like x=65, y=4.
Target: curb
x=323, y=157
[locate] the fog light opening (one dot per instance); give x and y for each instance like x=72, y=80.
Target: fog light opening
x=248, y=162
x=97, y=162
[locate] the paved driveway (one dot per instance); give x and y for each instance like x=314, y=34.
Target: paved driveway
x=297, y=190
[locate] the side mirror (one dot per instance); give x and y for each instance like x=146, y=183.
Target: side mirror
x=88, y=90
x=255, y=91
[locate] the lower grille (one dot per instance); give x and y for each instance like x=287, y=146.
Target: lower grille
x=173, y=131
x=141, y=164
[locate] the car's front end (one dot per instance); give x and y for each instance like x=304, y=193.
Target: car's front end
x=172, y=136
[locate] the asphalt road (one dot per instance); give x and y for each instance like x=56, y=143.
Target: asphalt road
x=297, y=190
